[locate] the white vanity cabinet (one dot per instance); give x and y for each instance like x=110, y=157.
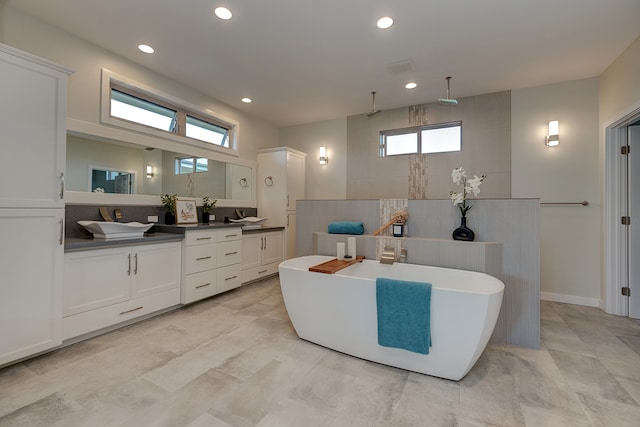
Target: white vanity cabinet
x=103, y=287
x=31, y=258
x=261, y=255
x=211, y=262
x=33, y=107
x=281, y=182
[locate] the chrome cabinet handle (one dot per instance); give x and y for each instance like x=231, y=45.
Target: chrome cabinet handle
x=262, y=272
x=230, y=235
x=61, y=185
x=132, y=310
x=203, y=258
x=129, y=269
x=287, y=200
x=202, y=286
x=61, y=240
x=203, y=238
x=231, y=253
x=231, y=278
x=265, y=243
x=135, y=271
x=261, y=243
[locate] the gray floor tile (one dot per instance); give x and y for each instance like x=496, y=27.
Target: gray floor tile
x=234, y=360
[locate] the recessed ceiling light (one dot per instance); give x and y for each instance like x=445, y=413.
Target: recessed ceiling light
x=246, y=100
x=145, y=48
x=384, y=22
x=223, y=13
x=411, y=85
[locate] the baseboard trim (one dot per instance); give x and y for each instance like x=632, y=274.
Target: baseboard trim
x=570, y=299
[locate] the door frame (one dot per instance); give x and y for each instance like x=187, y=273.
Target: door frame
x=615, y=135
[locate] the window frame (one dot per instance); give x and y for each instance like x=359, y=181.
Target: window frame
x=417, y=130
x=111, y=80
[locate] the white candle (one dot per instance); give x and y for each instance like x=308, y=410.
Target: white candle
x=341, y=251
x=351, y=247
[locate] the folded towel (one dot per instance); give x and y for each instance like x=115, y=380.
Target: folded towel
x=404, y=314
x=346, y=227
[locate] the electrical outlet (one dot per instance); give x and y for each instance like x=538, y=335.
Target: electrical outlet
x=152, y=218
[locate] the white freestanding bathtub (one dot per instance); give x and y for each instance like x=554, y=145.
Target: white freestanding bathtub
x=339, y=311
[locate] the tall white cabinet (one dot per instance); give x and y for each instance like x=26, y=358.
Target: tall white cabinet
x=33, y=99
x=281, y=181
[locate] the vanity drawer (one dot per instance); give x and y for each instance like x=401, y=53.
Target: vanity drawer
x=200, y=258
x=200, y=237
x=229, y=253
x=89, y=321
x=199, y=285
x=233, y=233
x=229, y=277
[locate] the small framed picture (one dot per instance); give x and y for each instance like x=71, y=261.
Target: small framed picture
x=186, y=211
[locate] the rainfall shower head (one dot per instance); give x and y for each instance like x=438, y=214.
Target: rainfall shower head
x=448, y=100
x=374, y=112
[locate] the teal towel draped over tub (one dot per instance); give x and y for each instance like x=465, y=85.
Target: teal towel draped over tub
x=346, y=227
x=404, y=314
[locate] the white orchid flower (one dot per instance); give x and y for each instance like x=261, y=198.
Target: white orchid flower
x=457, y=198
x=458, y=175
x=470, y=186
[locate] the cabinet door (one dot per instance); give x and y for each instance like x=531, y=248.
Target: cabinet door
x=251, y=250
x=290, y=235
x=32, y=117
x=96, y=278
x=272, y=187
x=155, y=268
x=295, y=179
x=272, y=251
x=31, y=263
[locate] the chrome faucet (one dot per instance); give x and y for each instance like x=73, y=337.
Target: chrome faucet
x=388, y=255
x=403, y=255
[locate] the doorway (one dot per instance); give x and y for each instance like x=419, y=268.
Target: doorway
x=633, y=229
x=622, y=199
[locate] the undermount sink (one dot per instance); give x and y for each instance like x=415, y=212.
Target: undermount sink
x=115, y=230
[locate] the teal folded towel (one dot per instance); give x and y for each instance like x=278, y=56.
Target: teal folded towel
x=404, y=314
x=346, y=227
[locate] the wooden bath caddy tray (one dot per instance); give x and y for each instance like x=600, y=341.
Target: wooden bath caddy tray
x=331, y=266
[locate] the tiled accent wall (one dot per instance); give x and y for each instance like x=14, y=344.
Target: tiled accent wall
x=486, y=149
x=514, y=223
x=418, y=176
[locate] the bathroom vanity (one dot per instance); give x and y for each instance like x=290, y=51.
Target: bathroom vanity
x=105, y=286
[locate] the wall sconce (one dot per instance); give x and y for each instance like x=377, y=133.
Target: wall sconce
x=149, y=171
x=323, y=156
x=552, y=139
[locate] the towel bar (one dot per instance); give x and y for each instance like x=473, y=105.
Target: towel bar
x=583, y=203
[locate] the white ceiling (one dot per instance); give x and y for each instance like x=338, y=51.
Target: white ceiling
x=304, y=61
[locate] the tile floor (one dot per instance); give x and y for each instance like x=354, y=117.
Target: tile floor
x=234, y=360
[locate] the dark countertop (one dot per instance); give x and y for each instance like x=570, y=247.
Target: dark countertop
x=163, y=233
x=261, y=230
x=180, y=229
x=75, y=244
x=211, y=226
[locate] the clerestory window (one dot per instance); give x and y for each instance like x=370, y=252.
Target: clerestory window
x=437, y=138
x=142, y=109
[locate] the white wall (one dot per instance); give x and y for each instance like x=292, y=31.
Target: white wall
x=24, y=32
x=323, y=181
x=570, y=235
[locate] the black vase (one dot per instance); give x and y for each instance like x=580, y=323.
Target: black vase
x=463, y=233
x=205, y=217
x=169, y=218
